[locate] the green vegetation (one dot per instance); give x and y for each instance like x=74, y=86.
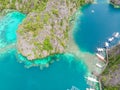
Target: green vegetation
x=32, y=24
x=111, y=88
x=113, y=64
x=46, y=18
x=47, y=44
x=25, y=6
x=55, y=12
x=81, y=2
x=112, y=68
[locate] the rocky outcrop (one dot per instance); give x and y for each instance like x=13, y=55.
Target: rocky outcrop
x=45, y=30
x=116, y=3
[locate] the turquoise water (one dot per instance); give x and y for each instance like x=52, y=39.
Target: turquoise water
x=61, y=75
x=8, y=28
x=92, y=29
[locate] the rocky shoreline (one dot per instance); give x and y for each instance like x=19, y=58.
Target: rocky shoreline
x=115, y=3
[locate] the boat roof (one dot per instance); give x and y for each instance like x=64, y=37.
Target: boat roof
x=91, y=79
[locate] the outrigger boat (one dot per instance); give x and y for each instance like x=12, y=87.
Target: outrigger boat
x=98, y=65
x=100, y=57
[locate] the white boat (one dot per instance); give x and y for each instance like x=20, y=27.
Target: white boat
x=100, y=49
x=106, y=44
x=100, y=57
x=91, y=79
x=111, y=39
x=116, y=35
x=98, y=65
x=90, y=89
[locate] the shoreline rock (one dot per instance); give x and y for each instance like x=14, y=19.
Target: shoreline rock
x=115, y=3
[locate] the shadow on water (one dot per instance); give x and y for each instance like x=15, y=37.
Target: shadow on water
x=112, y=9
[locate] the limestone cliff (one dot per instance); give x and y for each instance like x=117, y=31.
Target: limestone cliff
x=45, y=30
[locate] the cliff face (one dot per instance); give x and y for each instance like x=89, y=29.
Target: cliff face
x=45, y=30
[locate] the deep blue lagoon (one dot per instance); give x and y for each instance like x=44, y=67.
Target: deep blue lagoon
x=93, y=29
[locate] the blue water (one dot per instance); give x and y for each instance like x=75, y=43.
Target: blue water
x=60, y=75
x=92, y=29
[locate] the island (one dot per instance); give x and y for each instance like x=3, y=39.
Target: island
x=45, y=30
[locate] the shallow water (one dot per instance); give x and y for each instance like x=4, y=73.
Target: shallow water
x=8, y=28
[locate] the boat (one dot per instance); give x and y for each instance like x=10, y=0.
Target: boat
x=90, y=89
x=116, y=35
x=91, y=79
x=98, y=65
x=111, y=39
x=100, y=49
x=106, y=44
x=100, y=57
